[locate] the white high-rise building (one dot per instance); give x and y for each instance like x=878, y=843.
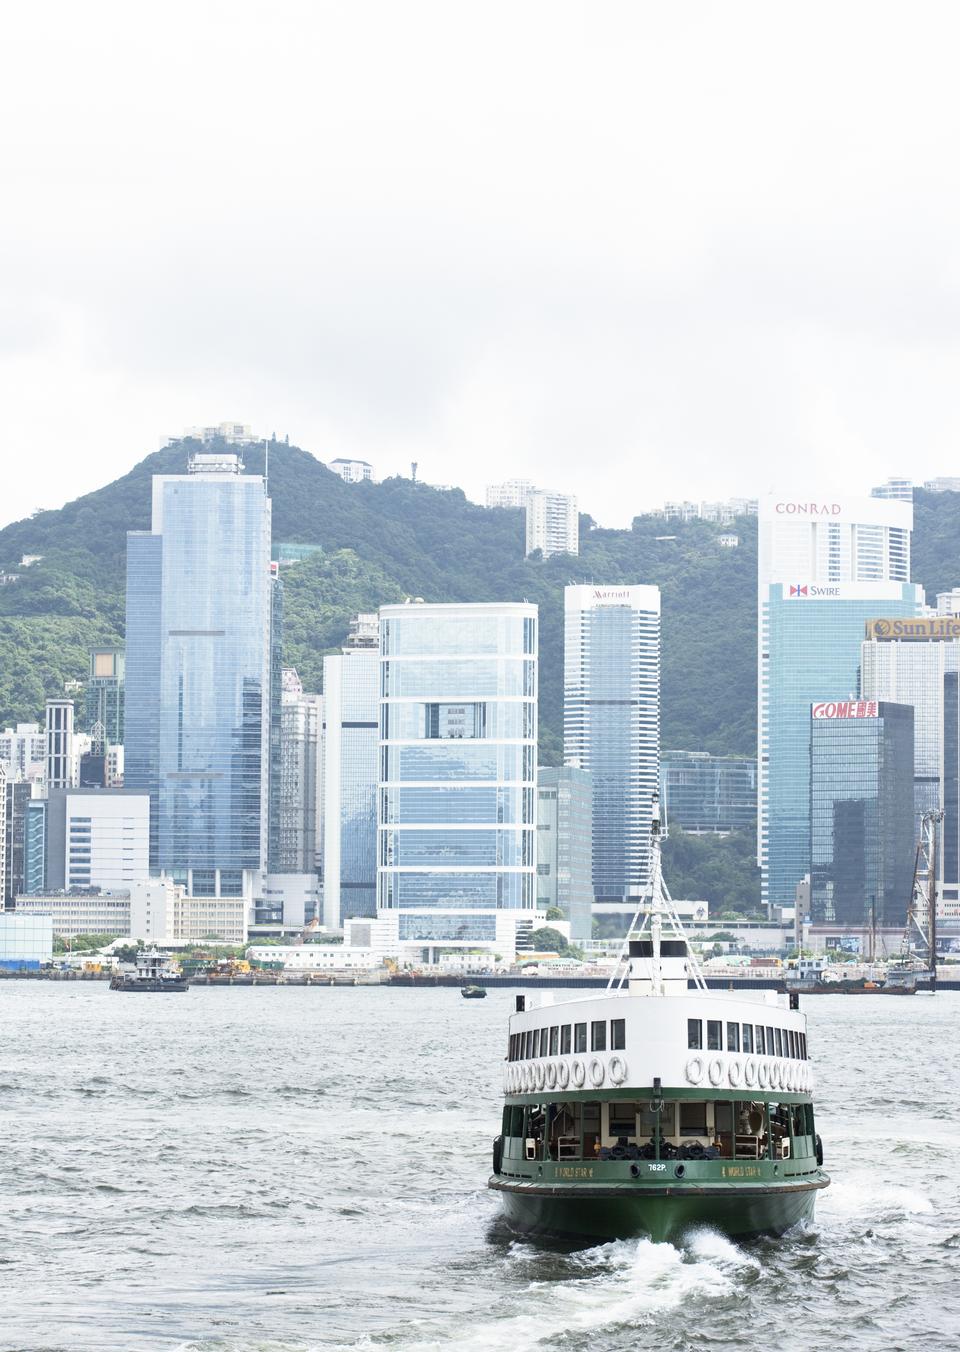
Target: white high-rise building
x=553, y=524
x=23, y=750
x=63, y=763
x=611, y=723
x=511, y=493
x=826, y=565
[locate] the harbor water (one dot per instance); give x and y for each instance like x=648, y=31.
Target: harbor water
x=286, y=1169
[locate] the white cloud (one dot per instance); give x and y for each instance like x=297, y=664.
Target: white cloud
x=630, y=250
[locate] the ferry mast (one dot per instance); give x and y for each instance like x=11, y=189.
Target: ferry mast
x=656, y=917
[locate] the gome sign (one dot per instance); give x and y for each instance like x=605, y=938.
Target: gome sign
x=846, y=708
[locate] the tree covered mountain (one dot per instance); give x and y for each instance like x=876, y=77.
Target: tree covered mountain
x=382, y=542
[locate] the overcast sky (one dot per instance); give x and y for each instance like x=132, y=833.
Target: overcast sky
x=628, y=250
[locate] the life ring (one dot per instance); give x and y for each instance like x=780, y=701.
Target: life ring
x=694, y=1069
x=597, y=1072
x=563, y=1074
x=734, y=1072
x=617, y=1069
x=750, y=1072
x=577, y=1074
x=763, y=1075
x=541, y=1074
x=776, y=1081
x=716, y=1071
x=531, y=1083
x=510, y=1079
x=551, y=1075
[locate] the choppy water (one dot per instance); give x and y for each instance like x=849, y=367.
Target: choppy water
x=282, y=1170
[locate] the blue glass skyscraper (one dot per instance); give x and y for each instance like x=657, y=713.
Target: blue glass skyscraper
x=810, y=645
x=611, y=723
x=458, y=773
x=198, y=675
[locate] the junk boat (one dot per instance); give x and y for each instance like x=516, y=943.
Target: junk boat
x=152, y=971
x=652, y=1108
x=474, y=992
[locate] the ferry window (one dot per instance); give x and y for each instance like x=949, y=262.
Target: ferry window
x=623, y=1119
x=516, y=1122
x=694, y=1034
x=579, y=1037
x=733, y=1037
x=527, y=1045
x=793, y=1044
x=565, y=1040
x=779, y=1039
x=512, y=1048
x=591, y=1130
x=507, y=1116
x=618, y=1035
x=770, y=1051
x=748, y=1037
x=693, y=1118
x=803, y=1044
x=647, y=1121
x=536, y=1042
x=714, y=1035
x=554, y=1040
x=598, y=1036
x=761, y=1042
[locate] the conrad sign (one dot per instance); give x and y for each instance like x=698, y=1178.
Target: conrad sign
x=808, y=509
x=915, y=630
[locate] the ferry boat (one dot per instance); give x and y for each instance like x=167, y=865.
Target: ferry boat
x=651, y=1107
x=151, y=971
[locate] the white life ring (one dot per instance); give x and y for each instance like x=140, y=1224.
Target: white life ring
x=551, y=1075
x=694, y=1069
x=617, y=1069
x=541, y=1074
x=781, y=1074
x=750, y=1072
x=510, y=1079
x=563, y=1074
x=792, y=1079
x=775, y=1075
x=597, y=1072
x=577, y=1074
x=716, y=1071
x=763, y=1075
x=531, y=1079
x=734, y=1072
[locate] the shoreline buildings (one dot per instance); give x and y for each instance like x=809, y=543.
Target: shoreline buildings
x=456, y=860
x=824, y=569
x=611, y=723
x=198, y=676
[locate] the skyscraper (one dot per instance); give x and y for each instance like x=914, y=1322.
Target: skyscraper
x=611, y=723
x=103, y=697
x=351, y=716
x=861, y=819
x=62, y=760
x=457, y=814
x=565, y=846
x=825, y=567
x=198, y=675
x=552, y=524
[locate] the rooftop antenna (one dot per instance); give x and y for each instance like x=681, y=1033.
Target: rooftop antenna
x=413, y=470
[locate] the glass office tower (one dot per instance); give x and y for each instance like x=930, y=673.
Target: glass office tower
x=351, y=767
x=458, y=771
x=861, y=812
x=810, y=643
x=705, y=793
x=198, y=675
x=565, y=846
x=611, y=723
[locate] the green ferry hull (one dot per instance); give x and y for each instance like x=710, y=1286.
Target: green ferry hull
x=663, y=1214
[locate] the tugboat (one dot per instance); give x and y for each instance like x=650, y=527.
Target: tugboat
x=652, y=1107
x=474, y=992
x=152, y=971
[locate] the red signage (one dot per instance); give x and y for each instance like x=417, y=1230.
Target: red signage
x=846, y=708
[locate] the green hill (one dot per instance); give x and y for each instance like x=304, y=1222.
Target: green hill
x=381, y=542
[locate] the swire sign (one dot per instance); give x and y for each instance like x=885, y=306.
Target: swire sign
x=806, y=590
x=846, y=708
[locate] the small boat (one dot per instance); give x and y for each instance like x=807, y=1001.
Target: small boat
x=651, y=1108
x=152, y=971
x=474, y=992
